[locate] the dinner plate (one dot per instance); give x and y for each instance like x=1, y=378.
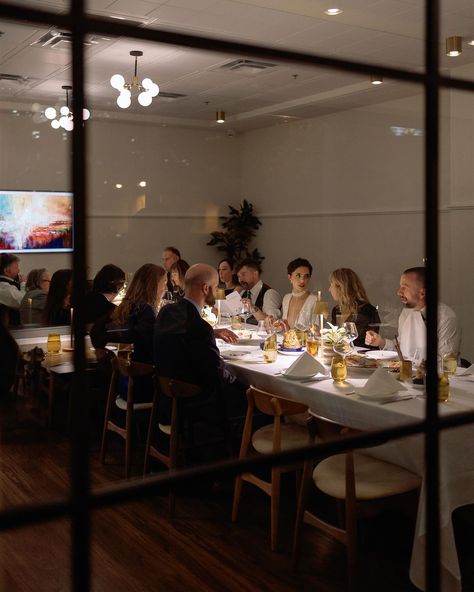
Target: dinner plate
x=299, y=376
x=381, y=355
x=288, y=352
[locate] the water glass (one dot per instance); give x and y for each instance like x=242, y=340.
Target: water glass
x=312, y=344
x=450, y=363
x=262, y=330
x=338, y=370
x=54, y=343
x=406, y=370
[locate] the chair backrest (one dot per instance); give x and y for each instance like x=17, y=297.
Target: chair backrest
x=274, y=405
x=176, y=389
x=125, y=367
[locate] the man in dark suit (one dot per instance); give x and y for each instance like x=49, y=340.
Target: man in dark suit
x=185, y=348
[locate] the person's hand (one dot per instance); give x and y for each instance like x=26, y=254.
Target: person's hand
x=373, y=338
x=227, y=335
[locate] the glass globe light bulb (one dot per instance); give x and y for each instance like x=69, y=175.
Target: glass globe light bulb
x=145, y=99
x=123, y=101
x=154, y=90
x=63, y=121
x=86, y=114
x=50, y=112
x=69, y=125
x=117, y=81
x=55, y=124
x=146, y=83
x=126, y=92
x=64, y=110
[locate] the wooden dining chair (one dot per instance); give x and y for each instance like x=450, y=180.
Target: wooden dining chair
x=176, y=390
x=354, y=479
x=275, y=437
x=123, y=367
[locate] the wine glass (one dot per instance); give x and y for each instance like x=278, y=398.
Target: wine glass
x=351, y=332
x=168, y=298
x=262, y=330
x=245, y=313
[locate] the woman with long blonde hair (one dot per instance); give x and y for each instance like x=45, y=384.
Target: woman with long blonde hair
x=353, y=303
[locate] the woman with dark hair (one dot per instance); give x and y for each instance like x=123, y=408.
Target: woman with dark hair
x=34, y=300
x=57, y=310
x=106, y=285
x=297, y=306
x=353, y=303
x=177, y=272
x=227, y=276
x=133, y=322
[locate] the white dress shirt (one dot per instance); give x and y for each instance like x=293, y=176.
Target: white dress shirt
x=271, y=300
x=412, y=332
x=10, y=295
x=305, y=312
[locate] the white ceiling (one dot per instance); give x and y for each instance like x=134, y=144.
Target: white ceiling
x=388, y=32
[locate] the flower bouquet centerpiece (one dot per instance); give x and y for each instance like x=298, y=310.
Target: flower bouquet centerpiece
x=332, y=336
x=209, y=316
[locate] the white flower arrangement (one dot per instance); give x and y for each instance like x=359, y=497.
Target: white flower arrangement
x=209, y=316
x=334, y=334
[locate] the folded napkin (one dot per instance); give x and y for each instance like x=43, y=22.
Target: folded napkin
x=306, y=365
x=381, y=386
x=465, y=371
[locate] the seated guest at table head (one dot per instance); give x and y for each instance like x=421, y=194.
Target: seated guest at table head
x=57, y=310
x=177, y=272
x=34, y=300
x=106, y=285
x=185, y=347
x=170, y=255
x=297, y=306
x=411, y=322
x=11, y=293
x=262, y=300
x=227, y=276
x=353, y=304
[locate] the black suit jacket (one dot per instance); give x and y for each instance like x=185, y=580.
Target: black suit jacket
x=185, y=348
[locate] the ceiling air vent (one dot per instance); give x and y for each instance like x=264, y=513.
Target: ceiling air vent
x=170, y=96
x=247, y=66
x=14, y=78
x=63, y=39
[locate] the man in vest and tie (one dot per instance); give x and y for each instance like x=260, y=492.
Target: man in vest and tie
x=11, y=293
x=263, y=301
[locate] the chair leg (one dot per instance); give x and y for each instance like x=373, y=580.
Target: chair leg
x=275, y=507
x=303, y=494
x=128, y=444
x=351, y=529
x=237, y=495
x=151, y=435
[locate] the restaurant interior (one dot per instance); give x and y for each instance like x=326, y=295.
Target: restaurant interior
x=326, y=117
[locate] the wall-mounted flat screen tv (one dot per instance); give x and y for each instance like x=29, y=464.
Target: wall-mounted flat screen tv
x=36, y=221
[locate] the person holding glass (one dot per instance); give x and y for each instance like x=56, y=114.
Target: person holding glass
x=353, y=304
x=297, y=306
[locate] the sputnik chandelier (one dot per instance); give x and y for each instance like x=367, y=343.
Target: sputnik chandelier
x=147, y=89
x=65, y=115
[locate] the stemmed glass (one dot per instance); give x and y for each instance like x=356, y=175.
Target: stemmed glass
x=351, y=332
x=168, y=298
x=245, y=313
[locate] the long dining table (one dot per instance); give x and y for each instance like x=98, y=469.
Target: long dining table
x=343, y=406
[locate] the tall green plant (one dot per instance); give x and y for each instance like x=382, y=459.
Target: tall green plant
x=240, y=227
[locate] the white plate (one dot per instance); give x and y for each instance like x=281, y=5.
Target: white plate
x=298, y=377
x=290, y=353
x=381, y=355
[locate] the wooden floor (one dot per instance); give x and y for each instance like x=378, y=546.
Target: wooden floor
x=137, y=548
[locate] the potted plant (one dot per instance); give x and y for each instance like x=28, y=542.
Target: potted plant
x=239, y=228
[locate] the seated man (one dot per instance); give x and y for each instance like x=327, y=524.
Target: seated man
x=185, y=348
x=263, y=301
x=11, y=293
x=411, y=323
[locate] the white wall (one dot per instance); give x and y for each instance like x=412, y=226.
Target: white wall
x=341, y=189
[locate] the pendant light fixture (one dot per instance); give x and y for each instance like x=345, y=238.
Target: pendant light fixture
x=453, y=46
x=220, y=116
x=147, y=89
x=65, y=116
x=376, y=79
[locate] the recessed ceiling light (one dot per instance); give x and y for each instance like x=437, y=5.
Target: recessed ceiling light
x=118, y=185
x=333, y=10
x=142, y=184
x=453, y=46
x=471, y=42
x=376, y=79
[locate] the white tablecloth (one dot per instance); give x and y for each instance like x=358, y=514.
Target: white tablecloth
x=456, y=445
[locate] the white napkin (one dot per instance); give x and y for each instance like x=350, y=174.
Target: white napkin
x=306, y=365
x=232, y=304
x=465, y=371
x=381, y=386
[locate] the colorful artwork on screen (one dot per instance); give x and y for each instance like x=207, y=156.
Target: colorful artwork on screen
x=35, y=221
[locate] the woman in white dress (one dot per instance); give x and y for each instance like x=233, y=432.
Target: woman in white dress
x=297, y=306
